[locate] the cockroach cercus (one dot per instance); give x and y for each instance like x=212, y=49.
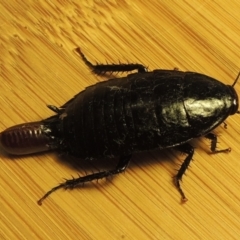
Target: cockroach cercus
x=116, y=118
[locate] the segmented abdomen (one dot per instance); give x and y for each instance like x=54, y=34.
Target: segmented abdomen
x=25, y=138
x=116, y=117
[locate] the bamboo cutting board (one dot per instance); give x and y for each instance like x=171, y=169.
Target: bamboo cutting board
x=39, y=67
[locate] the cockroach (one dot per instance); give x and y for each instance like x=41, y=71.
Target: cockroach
x=142, y=111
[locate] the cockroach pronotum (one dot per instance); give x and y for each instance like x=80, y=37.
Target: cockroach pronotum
x=121, y=116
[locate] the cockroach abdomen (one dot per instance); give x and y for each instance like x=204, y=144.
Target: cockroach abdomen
x=25, y=138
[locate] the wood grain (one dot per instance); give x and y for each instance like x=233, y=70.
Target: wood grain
x=39, y=67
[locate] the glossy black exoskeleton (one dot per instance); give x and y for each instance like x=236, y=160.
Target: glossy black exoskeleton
x=121, y=116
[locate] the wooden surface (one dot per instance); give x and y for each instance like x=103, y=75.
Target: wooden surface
x=39, y=67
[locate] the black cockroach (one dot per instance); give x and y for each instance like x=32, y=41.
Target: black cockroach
x=121, y=116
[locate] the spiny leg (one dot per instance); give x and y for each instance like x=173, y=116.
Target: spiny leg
x=213, y=139
x=73, y=183
x=101, y=69
x=188, y=149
